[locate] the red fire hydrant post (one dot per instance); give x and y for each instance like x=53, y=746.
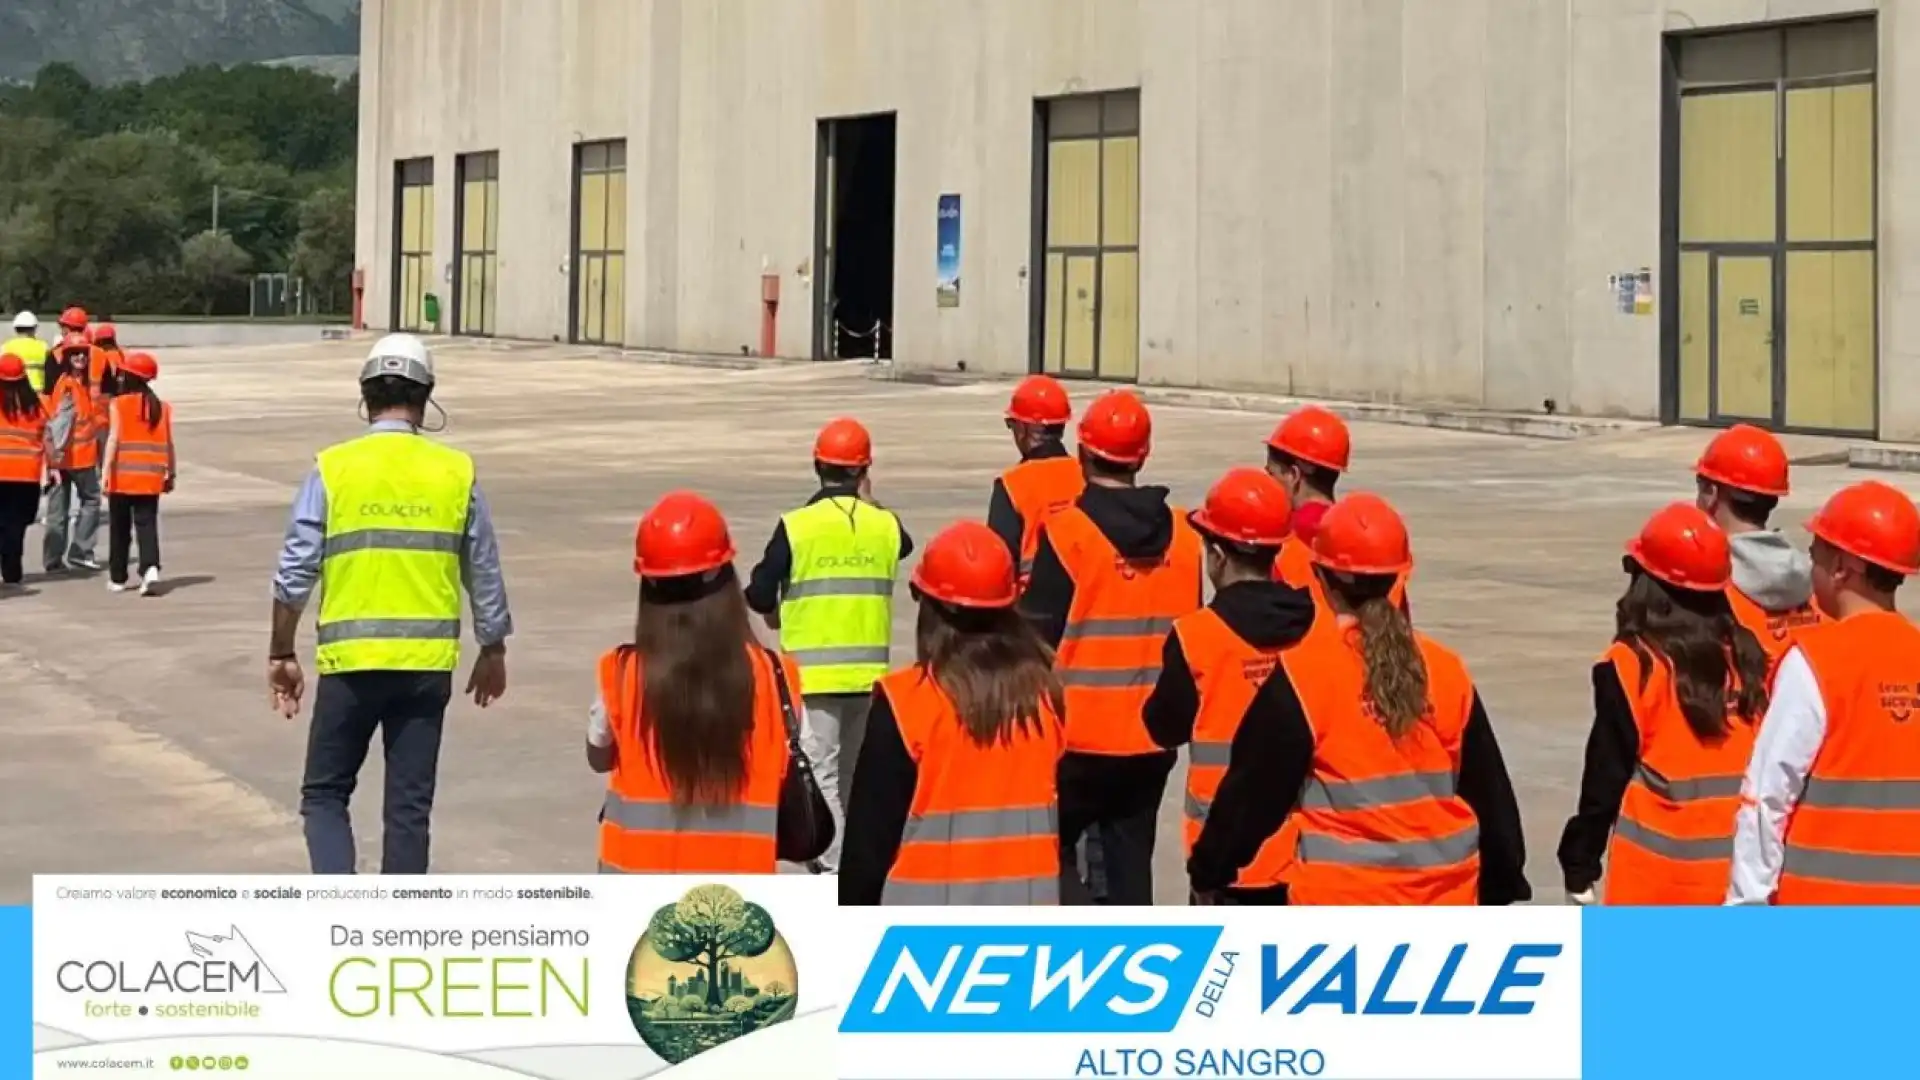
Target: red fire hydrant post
x=359, y=298
x=769, y=312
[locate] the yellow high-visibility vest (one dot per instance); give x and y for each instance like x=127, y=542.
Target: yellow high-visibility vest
x=397, y=507
x=836, y=617
x=32, y=352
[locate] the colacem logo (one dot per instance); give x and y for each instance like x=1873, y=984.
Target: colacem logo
x=1030, y=979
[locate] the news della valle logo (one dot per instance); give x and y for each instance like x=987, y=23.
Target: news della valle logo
x=1227, y=999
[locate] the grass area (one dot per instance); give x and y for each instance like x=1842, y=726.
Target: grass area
x=267, y=320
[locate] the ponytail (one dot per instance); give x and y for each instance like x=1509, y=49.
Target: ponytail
x=149, y=405
x=1396, y=687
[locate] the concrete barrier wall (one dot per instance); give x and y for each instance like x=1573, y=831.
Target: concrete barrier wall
x=185, y=335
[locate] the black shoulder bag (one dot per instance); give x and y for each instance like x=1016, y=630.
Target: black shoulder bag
x=805, y=829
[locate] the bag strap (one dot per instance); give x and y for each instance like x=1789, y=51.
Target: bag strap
x=791, y=717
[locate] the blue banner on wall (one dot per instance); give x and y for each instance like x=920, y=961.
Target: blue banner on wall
x=947, y=264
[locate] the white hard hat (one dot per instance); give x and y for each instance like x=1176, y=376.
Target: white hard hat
x=26, y=321
x=402, y=355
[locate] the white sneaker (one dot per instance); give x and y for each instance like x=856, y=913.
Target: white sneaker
x=84, y=564
x=149, y=581
x=118, y=586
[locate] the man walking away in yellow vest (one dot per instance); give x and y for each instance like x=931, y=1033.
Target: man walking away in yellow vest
x=26, y=344
x=826, y=583
x=388, y=526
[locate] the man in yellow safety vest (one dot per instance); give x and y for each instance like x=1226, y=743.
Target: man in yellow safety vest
x=387, y=526
x=26, y=344
x=826, y=582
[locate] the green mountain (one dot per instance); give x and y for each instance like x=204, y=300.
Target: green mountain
x=118, y=40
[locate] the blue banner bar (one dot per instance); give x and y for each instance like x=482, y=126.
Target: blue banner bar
x=16, y=991
x=1734, y=992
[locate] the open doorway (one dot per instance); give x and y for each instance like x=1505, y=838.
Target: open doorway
x=853, y=239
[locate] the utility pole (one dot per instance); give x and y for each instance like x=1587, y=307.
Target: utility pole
x=216, y=208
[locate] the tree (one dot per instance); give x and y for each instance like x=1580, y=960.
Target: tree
x=711, y=923
x=212, y=264
x=739, y=1005
x=775, y=989
x=323, y=252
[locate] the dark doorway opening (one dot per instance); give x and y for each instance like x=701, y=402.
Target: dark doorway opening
x=853, y=238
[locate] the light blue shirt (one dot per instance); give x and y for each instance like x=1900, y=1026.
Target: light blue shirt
x=300, y=557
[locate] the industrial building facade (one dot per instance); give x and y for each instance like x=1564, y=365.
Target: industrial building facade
x=1689, y=210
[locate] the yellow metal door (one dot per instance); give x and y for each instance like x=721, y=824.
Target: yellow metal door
x=1743, y=337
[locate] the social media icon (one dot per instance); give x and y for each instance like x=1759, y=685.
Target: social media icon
x=226, y=1063
x=176, y=1063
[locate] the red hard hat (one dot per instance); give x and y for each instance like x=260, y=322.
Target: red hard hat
x=967, y=565
x=106, y=331
x=1682, y=546
x=1117, y=427
x=844, y=442
x=1247, y=506
x=141, y=365
x=1745, y=457
x=12, y=368
x=682, y=535
x=1874, y=521
x=74, y=318
x=1040, y=399
x=1362, y=534
x=76, y=339
x=1316, y=436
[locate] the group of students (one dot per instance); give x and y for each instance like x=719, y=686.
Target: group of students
x=78, y=418
x=1064, y=650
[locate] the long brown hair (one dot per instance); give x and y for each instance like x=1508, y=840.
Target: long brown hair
x=1396, y=679
x=991, y=665
x=18, y=401
x=1696, y=634
x=696, y=685
x=149, y=401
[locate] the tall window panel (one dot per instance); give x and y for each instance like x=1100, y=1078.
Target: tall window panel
x=477, y=254
x=600, y=243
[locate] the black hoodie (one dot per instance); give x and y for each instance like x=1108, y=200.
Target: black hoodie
x=1136, y=520
x=1264, y=614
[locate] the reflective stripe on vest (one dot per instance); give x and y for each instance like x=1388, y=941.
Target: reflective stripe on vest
x=1227, y=673
x=1109, y=655
x=643, y=830
x=1854, y=837
x=1381, y=820
x=1673, y=841
x=984, y=827
x=141, y=455
x=836, y=615
x=397, y=507
x=21, y=450
x=82, y=448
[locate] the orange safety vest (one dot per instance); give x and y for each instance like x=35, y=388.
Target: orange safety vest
x=1227, y=672
x=83, y=441
x=140, y=459
x=1854, y=838
x=1038, y=490
x=642, y=830
x=1775, y=629
x=985, y=822
x=1109, y=657
x=1673, y=843
x=1294, y=568
x=22, y=450
x=100, y=363
x=1381, y=820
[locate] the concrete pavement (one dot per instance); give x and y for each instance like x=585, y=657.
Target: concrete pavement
x=137, y=731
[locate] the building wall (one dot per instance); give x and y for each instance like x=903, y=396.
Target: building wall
x=1413, y=200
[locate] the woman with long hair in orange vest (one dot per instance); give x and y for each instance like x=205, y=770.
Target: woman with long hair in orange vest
x=695, y=725
x=1216, y=658
x=1676, y=701
x=73, y=434
x=139, y=468
x=23, y=459
x=955, y=800
x=1376, y=733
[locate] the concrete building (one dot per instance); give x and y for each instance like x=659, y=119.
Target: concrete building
x=1680, y=209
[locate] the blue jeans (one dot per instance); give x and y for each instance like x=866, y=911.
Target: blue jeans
x=60, y=547
x=408, y=708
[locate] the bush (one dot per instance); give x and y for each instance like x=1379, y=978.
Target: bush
x=738, y=1004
